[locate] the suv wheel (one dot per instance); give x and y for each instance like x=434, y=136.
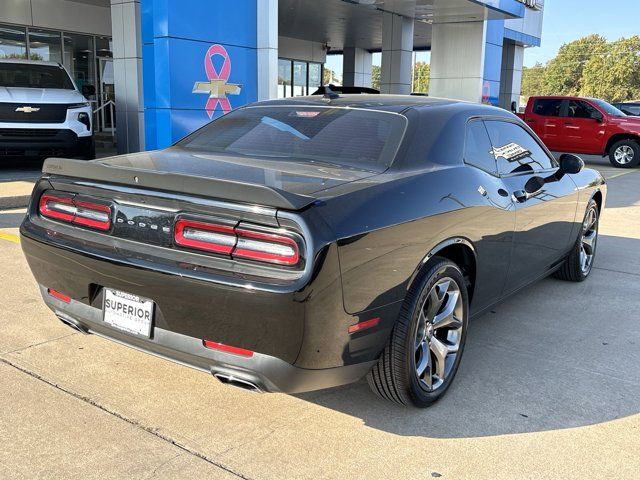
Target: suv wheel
x=625, y=154
x=426, y=344
x=579, y=264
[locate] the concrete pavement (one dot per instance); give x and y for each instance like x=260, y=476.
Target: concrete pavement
x=549, y=388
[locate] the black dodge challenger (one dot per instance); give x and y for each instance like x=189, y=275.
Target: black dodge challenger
x=305, y=243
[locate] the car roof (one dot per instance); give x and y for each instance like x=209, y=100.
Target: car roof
x=383, y=102
x=29, y=62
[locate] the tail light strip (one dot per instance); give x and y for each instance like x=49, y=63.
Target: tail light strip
x=70, y=210
x=267, y=247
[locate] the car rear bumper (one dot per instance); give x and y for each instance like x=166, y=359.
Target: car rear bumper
x=259, y=372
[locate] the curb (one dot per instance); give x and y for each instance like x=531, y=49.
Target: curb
x=7, y=203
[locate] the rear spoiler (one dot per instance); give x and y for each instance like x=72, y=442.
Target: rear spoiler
x=250, y=193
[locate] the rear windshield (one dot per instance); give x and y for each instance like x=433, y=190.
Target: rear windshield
x=34, y=76
x=346, y=137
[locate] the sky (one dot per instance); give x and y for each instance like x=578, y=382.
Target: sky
x=567, y=20
x=564, y=21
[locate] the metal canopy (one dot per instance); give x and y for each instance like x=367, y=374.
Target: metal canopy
x=358, y=23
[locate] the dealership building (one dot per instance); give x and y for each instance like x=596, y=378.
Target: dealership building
x=172, y=65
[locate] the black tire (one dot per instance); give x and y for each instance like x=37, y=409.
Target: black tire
x=395, y=376
x=624, y=162
x=573, y=269
x=90, y=152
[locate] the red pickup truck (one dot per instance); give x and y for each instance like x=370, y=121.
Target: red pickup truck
x=585, y=125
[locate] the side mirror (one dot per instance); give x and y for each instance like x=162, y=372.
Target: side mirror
x=571, y=164
x=514, y=107
x=597, y=116
x=88, y=90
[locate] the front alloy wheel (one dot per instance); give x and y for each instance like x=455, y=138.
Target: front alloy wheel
x=625, y=154
x=579, y=263
x=426, y=344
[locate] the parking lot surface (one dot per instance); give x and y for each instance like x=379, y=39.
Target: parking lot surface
x=549, y=388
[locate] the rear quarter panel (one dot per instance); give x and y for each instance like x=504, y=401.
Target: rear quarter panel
x=385, y=231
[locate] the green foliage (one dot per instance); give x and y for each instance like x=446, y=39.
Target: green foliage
x=615, y=75
x=563, y=74
x=421, y=76
x=590, y=67
x=532, y=80
x=375, y=77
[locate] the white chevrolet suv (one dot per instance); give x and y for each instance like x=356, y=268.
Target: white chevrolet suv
x=42, y=113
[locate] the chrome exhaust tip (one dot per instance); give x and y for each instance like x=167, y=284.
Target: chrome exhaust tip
x=237, y=382
x=72, y=323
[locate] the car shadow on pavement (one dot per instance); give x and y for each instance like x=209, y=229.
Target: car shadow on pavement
x=557, y=355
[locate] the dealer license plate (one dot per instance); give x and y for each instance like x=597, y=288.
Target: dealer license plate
x=127, y=312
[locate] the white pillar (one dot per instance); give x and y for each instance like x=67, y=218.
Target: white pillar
x=127, y=71
x=356, y=67
x=511, y=76
x=457, y=60
x=267, y=30
x=397, y=53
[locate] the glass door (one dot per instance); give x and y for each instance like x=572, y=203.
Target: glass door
x=106, y=94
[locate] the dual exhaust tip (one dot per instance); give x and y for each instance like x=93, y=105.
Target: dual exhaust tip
x=237, y=382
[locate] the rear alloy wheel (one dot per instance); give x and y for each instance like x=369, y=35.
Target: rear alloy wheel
x=579, y=264
x=625, y=154
x=425, y=348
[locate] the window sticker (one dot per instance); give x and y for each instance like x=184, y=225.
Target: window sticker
x=511, y=152
x=307, y=114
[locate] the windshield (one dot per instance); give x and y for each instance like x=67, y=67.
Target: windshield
x=34, y=76
x=609, y=109
x=348, y=137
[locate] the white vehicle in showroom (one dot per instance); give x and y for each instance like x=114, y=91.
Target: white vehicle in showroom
x=42, y=112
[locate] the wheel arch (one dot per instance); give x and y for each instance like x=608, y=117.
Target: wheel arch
x=618, y=137
x=460, y=251
x=598, y=198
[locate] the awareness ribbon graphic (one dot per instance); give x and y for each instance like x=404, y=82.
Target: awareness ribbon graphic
x=217, y=86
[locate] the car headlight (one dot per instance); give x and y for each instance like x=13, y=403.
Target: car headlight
x=78, y=105
x=83, y=117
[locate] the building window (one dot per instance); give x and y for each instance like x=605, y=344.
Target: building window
x=45, y=45
x=315, y=76
x=284, y=78
x=13, y=42
x=296, y=78
x=79, y=58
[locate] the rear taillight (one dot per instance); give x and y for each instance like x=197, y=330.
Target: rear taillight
x=276, y=247
x=79, y=212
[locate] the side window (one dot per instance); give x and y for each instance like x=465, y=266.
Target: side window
x=478, y=150
x=547, y=107
x=580, y=109
x=515, y=150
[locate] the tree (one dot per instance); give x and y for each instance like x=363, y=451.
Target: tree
x=375, y=77
x=615, y=74
x=421, y=77
x=563, y=74
x=532, y=80
x=328, y=76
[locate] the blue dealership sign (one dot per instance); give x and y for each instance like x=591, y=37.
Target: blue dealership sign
x=192, y=72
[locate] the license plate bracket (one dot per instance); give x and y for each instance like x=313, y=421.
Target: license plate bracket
x=128, y=313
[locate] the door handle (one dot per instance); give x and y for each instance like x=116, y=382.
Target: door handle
x=520, y=196
x=568, y=124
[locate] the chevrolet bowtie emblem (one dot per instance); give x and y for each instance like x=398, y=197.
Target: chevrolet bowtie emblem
x=217, y=87
x=27, y=109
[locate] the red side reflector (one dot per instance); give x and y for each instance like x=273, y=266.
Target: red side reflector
x=364, y=325
x=227, y=348
x=58, y=295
